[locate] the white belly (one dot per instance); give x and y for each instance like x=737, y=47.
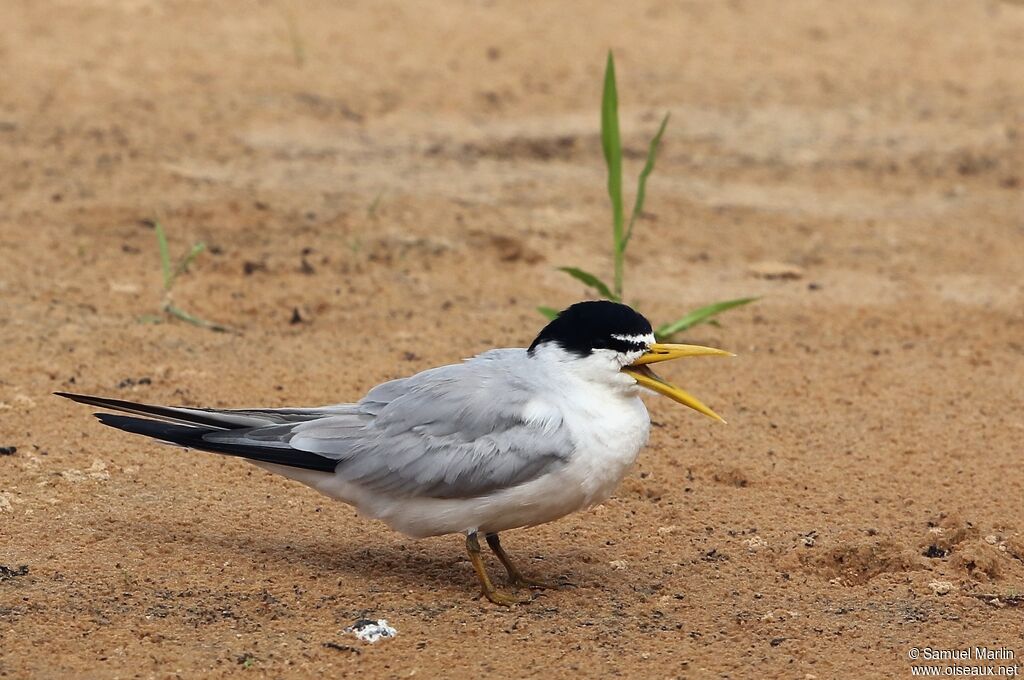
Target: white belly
x=607, y=443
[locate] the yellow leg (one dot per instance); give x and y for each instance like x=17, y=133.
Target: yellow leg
x=515, y=577
x=489, y=591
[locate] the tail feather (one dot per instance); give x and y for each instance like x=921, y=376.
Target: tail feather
x=217, y=418
x=193, y=437
x=195, y=416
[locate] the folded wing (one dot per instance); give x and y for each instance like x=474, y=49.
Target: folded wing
x=451, y=432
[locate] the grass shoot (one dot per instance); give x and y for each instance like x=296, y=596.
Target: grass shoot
x=171, y=271
x=622, y=231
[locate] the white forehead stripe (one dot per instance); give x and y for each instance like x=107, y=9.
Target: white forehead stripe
x=646, y=339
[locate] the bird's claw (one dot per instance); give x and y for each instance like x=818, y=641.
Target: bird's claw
x=504, y=599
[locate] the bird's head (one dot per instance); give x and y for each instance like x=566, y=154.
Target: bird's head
x=611, y=342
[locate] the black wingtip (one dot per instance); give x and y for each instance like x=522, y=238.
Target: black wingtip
x=174, y=434
x=190, y=416
x=193, y=438
x=81, y=398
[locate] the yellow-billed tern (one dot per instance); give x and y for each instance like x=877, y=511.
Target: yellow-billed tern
x=510, y=438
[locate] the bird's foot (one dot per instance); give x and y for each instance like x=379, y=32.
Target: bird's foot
x=503, y=598
x=487, y=589
x=515, y=577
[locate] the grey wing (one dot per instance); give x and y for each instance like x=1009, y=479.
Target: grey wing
x=451, y=432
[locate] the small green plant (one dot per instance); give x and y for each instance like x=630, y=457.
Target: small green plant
x=622, y=231
x=371, y=210
x=171, y=271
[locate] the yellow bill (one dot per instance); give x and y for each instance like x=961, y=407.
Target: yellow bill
x=644, y=376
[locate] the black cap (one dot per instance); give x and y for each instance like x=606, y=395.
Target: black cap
x=587, y=326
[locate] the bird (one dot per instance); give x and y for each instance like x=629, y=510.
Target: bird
x=508, y=439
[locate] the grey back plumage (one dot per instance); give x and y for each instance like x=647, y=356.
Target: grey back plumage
x=451, y=432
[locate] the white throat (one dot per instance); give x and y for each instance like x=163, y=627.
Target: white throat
x=602, y=368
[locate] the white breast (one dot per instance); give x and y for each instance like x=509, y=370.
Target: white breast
x=607, y=422
x=609, y=436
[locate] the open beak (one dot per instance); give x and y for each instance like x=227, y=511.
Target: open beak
x=641, y=372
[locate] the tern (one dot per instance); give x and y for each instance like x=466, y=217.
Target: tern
x=511, y=438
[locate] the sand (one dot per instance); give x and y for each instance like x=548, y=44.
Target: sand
x=389, y=186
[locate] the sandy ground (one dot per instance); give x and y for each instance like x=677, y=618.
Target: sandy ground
x=405, y=177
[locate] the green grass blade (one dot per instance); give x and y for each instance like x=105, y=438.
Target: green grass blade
x=165, y=255
x=641, y=187
x=590, y=280
x=371, y=211
x=699, y=316
x=611, y=143
x=549, y=312
x=179, y=313
x=295, y=38
x=186, y=261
